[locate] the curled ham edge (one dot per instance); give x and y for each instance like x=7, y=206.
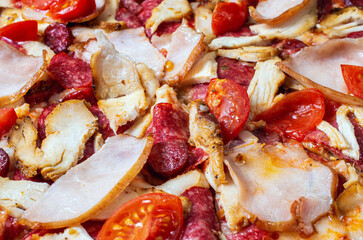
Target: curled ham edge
x=281, y=18
x=294, y=224
x=104, y=202
x=13, y=97
x=328, y=93
x=32, y=14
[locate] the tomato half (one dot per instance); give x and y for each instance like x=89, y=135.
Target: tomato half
x=229, y=102
x=68, y=10
x=150, y=216
x=7, y=119
x=353, y=77
x=20, y=31
x=228, y=17
x=37, y=4
x=296, y=114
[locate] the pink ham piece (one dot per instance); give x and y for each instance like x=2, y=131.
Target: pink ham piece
x=181, y=61
x=19, y=72
x=280, y=187
x=276, y=11
x=321, y=63
x=90, y=186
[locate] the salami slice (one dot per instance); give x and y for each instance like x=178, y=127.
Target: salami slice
x=169, y=123
x=58, y=37
x=147, y=7
x=130, y=19
x=234, y=70
x=202, y=219
x=131, y=5
x=70, y=72
x=41, y=120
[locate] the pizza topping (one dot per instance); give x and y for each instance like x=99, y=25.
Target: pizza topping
x=260, y=172
x=78, y=195
x=134, y=43
x=203, y=22
x=151, y=216
x=353, y=77
x=342, y=22
x=58, y=37
x=4, y=163
x=41, y=121
x=264, y=86
x=350, y=199
x=202, y=70
x=17, y=196
x=274, y=12
x=202, y=220
x=166, y=11
x=249, y=54
x=138, y=187
x=28, y=71
x=66, y=10
x=228, y=17
x=296, y=113
x=206, y=133
x=20, y=31
x=131, y=20
x=328, y=56
x=70, y=72
x=229, y=102
x=182, y=61
x=68, y=128
x=69, y=233
x=235, y=70
x=7, y=120
x=168, y=159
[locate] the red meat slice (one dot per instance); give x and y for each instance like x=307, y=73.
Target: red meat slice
x=202, y=219
x=169, y=123
x=147, y=7
x=234, y=70
x=41, y=120
x=58, y=37
x=70, y=72
x=130, y=19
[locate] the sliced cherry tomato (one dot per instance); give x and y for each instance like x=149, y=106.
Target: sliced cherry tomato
x=21, y=31
x=353, y=77
x=68, y=10
x=296, y=114
x=7, y=119
x=150, y=216
x=228, y=17
x=37, y=4
x=229, y=102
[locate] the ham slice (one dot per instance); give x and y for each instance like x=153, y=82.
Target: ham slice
x=321, y=63
x=181, y=61
x=280, y=186
x=90, y=186
x=276, y=11
x=135, y=44
x=19, y=72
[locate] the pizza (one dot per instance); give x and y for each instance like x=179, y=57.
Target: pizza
x=177, y=119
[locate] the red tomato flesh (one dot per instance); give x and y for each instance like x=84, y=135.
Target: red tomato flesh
x=228, y=17
x=21, y=31
x=68, y=10
x=296, y=114
x=146, y=217
x=7, y=119
x=37, y=4
x=353, y=77
x=229, y=102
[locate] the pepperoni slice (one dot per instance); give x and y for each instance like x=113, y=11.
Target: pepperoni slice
x=235, y=70
x=70, y=72
x=4, y=163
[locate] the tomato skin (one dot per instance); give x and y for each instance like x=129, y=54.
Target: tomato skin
x=21, y=31
x=229, y=103
x=7, y=119
x=228, y=17
x=68, y=10
x=146, y=218
x=353, y=77
x=296, y=114
x=37, y=4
